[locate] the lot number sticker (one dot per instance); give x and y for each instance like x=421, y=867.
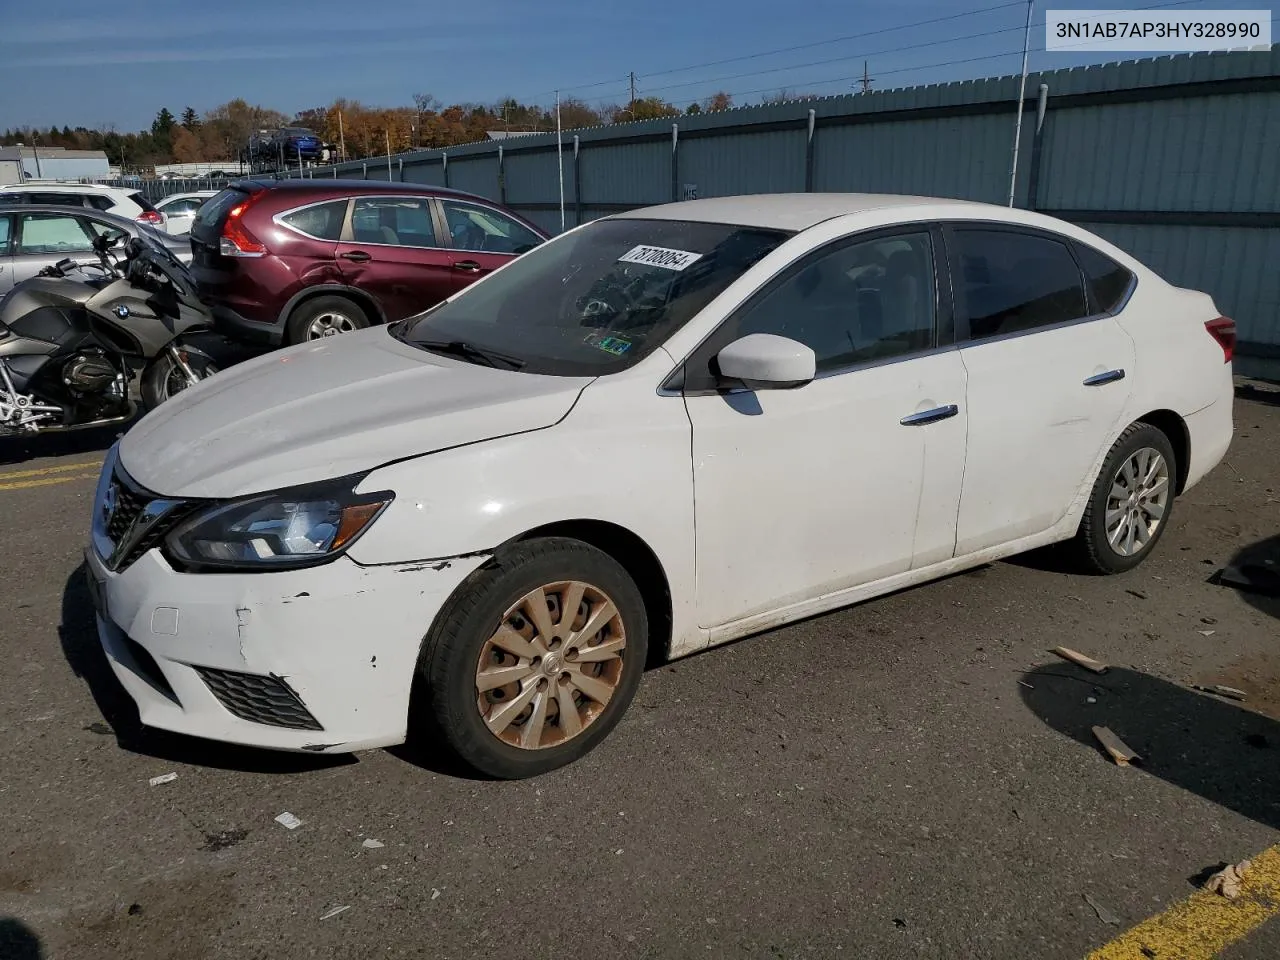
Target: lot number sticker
x=660, y=257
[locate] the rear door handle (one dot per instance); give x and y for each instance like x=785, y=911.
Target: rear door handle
x=930, y=416
x=467, y=266
x=1098, y=379
x=359, y=256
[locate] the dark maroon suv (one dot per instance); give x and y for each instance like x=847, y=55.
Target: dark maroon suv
x=292, y=260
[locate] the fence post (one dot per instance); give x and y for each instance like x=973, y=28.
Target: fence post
x=364, y=170
x=502, y=178
x=401, y=166
x=577, y=184
x=1037, y=145
x=444, y=165
x=808, y=153
x=675, y=162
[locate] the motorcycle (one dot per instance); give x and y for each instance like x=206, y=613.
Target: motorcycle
x=72, y=342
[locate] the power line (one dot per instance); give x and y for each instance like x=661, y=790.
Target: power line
x=805, y=46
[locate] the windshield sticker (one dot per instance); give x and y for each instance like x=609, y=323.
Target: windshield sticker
x=660, y=257
x=614, y=345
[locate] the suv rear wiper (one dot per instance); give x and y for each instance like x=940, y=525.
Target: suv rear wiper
x=468, y=351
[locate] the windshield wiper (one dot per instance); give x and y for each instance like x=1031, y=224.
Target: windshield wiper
x=469, y=351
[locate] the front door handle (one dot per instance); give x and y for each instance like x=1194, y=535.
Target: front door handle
x=930, y=416
x=1098, y=379
x=467, y=266
x=359, y=256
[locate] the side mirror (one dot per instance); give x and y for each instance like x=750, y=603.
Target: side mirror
x=765, y=361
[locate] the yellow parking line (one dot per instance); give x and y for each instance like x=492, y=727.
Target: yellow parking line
x=45, y=471
x=47, y=481
x=1206, y=923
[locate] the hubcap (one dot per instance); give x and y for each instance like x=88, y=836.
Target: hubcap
x=1137, y=501
x=329, y=325
x=551, y=667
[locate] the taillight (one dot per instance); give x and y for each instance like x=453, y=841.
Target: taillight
x=153, y=217
x=1224, y=331
x=237, y=240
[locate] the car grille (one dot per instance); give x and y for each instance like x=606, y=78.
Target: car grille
x=132, y=520
x=258, y=699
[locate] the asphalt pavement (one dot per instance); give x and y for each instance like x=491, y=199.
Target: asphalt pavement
x=912, y=777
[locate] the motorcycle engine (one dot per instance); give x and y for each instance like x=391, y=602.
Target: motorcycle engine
x=89, y=372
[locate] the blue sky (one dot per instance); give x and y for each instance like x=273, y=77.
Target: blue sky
x=96, y=64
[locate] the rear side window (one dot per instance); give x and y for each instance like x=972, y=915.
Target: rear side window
x=1011, y=282
x=142, y=201
x=58, y=199
x=323, y=221
x=13, y=196
x=6, y=233
x=1108, y=281
x=398, y=221
x=218, y=206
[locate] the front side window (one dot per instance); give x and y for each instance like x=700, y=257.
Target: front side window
x=486, y=231
x=851, y=304
x=323, y=221
x=1010, y=282
x=53, y=233
x=595, y=301
x=399, y=221
x=6, y=233
x=107, y=230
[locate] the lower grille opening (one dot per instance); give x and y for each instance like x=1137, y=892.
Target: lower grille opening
x=258, y=699
x=145, y=666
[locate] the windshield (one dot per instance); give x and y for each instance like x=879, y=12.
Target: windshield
x=597, y=300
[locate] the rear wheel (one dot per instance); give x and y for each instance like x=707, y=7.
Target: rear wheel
x=1131, y=502
x=325, y=316
x=535, y=659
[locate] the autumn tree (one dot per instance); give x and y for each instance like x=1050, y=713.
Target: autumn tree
x=186, y=146
x=717, y=101
x=576, y=114
x=643, y=108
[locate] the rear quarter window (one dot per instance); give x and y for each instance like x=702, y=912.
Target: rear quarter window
x=99, y=202
x=142, y=201
x=1108, y=281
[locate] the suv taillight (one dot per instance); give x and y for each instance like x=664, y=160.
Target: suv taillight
x=1224, y=331
x=154, y=217
x=237, y=240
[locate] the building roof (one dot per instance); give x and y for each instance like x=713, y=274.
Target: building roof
x=20, y=151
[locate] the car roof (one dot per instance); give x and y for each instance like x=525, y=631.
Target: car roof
x=789, y=211
x=325, y=185
x=65, y=210
x=55, y=185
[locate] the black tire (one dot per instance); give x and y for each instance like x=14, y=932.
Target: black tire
x=162, y=379
x=1092, y=548
x=450, y=707
x=346, y=313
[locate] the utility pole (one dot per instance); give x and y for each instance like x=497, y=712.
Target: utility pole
x=866, y=78
x=632, y=101
x=35, y=152
x=342, y=143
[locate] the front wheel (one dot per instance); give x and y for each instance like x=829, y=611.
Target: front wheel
x=535, y=659
x=1130, y=504
x=167, y=375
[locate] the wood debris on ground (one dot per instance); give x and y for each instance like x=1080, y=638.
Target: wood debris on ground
x=1221, y=690
x=1119, y=751
x=1079, y=659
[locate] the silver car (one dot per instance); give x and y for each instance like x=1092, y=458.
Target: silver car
x=35, y=236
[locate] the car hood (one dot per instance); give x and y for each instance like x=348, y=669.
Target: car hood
x=328, y=409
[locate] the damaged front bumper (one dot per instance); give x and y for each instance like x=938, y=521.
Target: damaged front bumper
x=321, y=659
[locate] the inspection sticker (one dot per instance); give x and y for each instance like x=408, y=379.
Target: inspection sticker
x=660, y=257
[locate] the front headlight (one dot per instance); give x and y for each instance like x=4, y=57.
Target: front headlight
x=298, y=527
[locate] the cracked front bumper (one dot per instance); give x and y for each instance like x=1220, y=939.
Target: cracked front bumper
x=342, y=639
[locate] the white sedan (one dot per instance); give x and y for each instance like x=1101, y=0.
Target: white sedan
x=180, y=209
x=658, y=432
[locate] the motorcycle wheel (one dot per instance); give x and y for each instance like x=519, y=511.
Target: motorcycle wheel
x=163, y=378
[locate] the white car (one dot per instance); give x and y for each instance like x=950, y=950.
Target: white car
x=121, y=201
x=180, y=209
x=656, y=433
